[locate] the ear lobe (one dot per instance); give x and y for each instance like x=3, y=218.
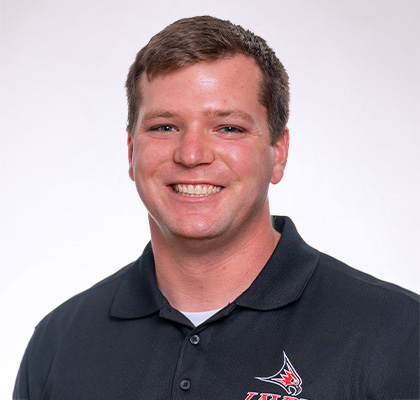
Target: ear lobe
x=130, y=155
x=281, y=152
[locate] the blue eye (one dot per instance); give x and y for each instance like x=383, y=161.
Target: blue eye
x=163, y=128
x=231, y=129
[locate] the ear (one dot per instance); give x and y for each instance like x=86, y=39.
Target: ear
x=130, y=145
x=281, y=151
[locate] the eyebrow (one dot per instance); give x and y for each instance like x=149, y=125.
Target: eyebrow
x=229, y=113
x=153, y=114
x=158, y=114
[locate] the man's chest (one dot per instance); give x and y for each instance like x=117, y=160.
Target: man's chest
x=258, y=358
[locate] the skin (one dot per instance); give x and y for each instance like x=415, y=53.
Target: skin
x=203, y=125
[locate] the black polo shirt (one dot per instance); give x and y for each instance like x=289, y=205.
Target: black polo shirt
x=309, y=327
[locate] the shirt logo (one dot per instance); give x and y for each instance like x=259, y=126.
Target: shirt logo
x=287, y=378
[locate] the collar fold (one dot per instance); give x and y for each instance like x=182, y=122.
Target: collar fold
x=286, y=273
x=138, y=294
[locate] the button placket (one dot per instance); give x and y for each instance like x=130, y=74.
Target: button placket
x=187, y=363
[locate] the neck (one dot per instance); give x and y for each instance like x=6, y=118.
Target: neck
x=201, y=275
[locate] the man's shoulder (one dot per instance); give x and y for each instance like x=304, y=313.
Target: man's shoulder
x=354, y=278
x=362, y=294
x=94, y=300
x=364, y=322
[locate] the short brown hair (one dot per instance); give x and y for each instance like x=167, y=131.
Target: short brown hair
x=191, y=40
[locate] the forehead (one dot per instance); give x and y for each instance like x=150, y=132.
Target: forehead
x=217, y=61
x=233, y=80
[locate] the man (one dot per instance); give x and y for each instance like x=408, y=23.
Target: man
x=226, y=302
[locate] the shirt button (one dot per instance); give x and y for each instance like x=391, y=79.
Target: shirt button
x=185, y=384
x=195, y=339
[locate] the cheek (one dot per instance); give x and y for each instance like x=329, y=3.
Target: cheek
x=236, y=153
x=146, y=158
x=250, y=161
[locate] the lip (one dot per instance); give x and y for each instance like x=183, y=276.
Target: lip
x=191, y=182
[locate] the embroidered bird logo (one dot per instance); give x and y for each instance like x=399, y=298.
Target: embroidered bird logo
x=287, y=378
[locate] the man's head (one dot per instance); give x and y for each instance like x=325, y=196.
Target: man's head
x=206, y=136
x=192, y=40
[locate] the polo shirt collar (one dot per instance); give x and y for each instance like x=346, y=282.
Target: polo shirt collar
x=286, y=273
x=138, y=294
x=281, y=281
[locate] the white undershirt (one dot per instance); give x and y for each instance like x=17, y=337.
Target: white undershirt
x=198, y=318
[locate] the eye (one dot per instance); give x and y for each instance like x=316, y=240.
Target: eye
x=231, y=129
x=163, y=128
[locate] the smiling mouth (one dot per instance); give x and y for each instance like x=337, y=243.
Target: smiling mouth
x=196, y=190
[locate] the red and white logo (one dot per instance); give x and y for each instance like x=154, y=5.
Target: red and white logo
x=287, y=378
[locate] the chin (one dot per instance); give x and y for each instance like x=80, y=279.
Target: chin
x=196, y=228
x=201, y=233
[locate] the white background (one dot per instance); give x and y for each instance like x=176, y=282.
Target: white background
x=70, y=216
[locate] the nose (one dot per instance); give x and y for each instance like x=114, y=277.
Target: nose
x=194, y=148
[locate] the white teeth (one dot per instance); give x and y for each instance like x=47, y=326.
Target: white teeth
x=196, y=190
